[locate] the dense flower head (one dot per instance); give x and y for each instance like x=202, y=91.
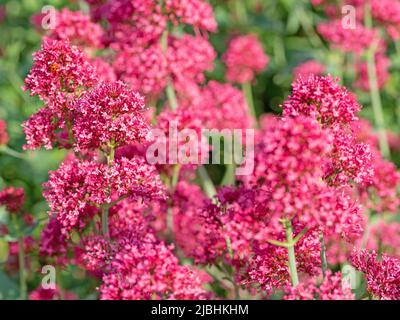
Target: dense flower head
x=148, y=18
x=181, y=128
x=322, y=98
x=77, y=28
x=146, y=32
x=349, y=161
x=195, y=235
x=12, y=198
x=70, y=188
x=382, y=274
x=331, y=288
x=208, y=225
x=364, y=132
x=387, y=13
x=145, y=268
x=53, y=244
x=290, y=159
x=197, y=13
x=96, y=254
x=133, y=216
x=308, y=68
x=59, y=70
x=78, y=187
x=40, y=130
x=244, y=59
x=222, y=106
x=293, y=148
x=188, y=57
x=3, y=132
x=239, y=216
x=355, y=40
x=111, y=113
x=104, y=70
x=268, y=269
x=385, y=236
x=382, y=236
x=381, y=194
x=145, y=69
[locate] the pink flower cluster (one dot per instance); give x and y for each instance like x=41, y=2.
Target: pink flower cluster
x=77, y=28
x=382, y=275
x=290, y=161
x=308, y=68
x=188, y=57
x=331, y=288
x=59, y=70
x=12, y=198
x=221, y=106
x=53, y=243
x=355, y=40
x=59, y=73
x=387, y=13
x=111, y=113
x=145, y=55
x=146, y=269
x=358, y=39
x=244, y=59
x=197, y=13
x=77, y=188
x=380, y=194
x=323, y=99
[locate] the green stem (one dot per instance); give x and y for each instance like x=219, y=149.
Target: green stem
x=374, y=91
x=307, y=24
x=248, y=94
x=208, y=185
x=175, y=177
x=291, y=255
x=365, y=236
x=105, y=206
x=104, y=220
x=60, y=284
x=229, y=175
x=111, y=156
x=241, y=11
x=324, y=263
x=377, y=105
x=7, y=150
x=170, y=216
x=229, y=247
x=21, y=261
x=169, y=90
